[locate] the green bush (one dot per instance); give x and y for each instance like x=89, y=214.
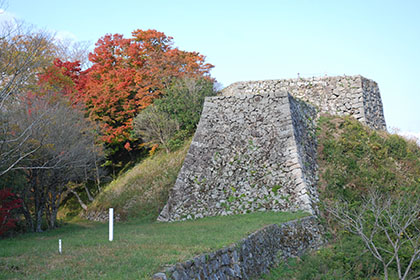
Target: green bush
x=183, y=101
x=344, y=259
x=173, y=118
x=396, y=146
x=155, y=126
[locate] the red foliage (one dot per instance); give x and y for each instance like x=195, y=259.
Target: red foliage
x=128, y=74
x=64, y=78
x=125, y=77
x=8, y=202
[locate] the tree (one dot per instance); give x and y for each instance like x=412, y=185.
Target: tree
x=128, y=74
x=63, y=150
x=155, y=127
x=176, y=114
x=64, y=78
x=24, y=53
x=390, y=229
x=183, y=100
x=70, y=50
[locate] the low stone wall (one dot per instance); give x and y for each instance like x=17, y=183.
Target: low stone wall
x=99, y=216
x=253, y=255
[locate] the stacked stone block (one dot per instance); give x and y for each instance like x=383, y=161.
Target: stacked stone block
x=342, y=95
x=253, y=255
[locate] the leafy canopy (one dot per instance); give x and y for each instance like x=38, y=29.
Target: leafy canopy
x=128, y=74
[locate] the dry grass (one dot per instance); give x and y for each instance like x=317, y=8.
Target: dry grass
x=143, y=190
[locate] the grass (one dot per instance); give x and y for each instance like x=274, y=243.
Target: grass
x=140, y=247
x=143, y=190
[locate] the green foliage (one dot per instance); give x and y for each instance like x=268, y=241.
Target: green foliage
x=275, y=189
x=397, y=147
x=178, y=139
x=344, y=259
x=173, y=118
x=155, y=126
x=184, y=100
x=354, y=160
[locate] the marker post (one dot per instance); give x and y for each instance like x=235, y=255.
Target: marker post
x=111, y=224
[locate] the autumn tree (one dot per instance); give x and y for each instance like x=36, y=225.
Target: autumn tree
x=128, y=74
x=8, y=204
x=64, y=150
x=64, y=78
x=24, y=52
x=70, y=50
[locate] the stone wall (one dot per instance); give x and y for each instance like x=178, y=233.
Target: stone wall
x=255, y=148
x=253, y=255
x=99, y=216
x=342, y=95
x=249, y=153
x=304, y=127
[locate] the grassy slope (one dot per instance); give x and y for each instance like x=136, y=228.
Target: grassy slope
x=140, y=247
x=143, y=190
x=352, y=159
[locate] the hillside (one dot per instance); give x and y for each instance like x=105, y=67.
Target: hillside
x=141, y=191
x=352, y=160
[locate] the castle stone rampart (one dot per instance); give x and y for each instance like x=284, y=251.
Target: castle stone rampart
x=342, y=95
x=255, y=146
x=249, y=153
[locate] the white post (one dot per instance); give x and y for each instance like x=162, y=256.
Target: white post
x=59, y=246
x=111, y=224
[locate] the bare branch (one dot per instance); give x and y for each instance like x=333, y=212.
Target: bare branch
x=379, y=216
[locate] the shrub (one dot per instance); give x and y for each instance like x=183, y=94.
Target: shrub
x=8, y=203
x=155, y=126
x=184, y=101
x=173, y=118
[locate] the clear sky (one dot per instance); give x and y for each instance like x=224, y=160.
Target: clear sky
x=253, y=40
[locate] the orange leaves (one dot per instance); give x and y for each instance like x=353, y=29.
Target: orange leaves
x=128, y=74
x=64, y=78
x=125, y=77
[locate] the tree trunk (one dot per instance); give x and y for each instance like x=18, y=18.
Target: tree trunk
x=27, y=215
x=98, y=178
x=90, y=197
x=38, y=214
x=53, y=217
x=79, y=199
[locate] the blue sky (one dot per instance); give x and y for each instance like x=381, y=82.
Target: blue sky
x=253, y=40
